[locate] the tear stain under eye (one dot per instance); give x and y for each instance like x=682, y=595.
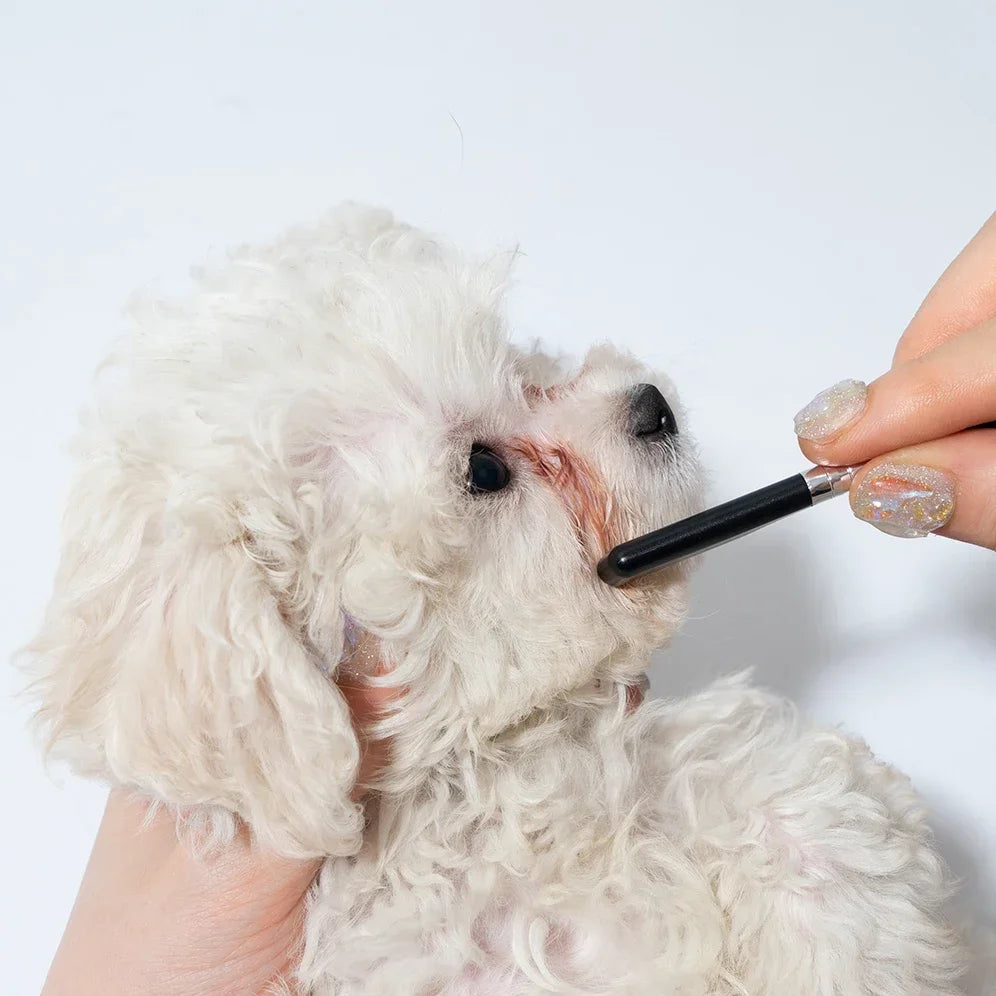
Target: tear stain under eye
x=579, y=488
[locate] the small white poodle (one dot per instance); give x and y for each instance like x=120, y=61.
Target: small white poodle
x=332, y=445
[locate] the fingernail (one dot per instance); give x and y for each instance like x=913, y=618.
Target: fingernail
x=831, y=410
x=905, y=499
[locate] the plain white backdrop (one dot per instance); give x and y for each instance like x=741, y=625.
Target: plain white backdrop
x=755, y=196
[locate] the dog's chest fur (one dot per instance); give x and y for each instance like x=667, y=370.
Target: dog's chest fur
x=668, y=850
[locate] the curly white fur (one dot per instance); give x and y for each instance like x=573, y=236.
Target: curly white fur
x=283, y=457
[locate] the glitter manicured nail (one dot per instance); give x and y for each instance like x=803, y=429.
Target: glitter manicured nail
x=905, y=499
x=831, y=410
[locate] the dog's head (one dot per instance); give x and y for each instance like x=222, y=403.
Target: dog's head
x=331, y=445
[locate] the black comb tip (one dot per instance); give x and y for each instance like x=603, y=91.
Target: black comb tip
x=613, y=568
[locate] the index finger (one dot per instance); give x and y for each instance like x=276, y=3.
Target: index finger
x=963, y=297
x=951, y=388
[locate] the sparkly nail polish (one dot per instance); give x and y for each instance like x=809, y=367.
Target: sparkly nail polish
x=832, y=410
x=905, y=499
x=360, y=655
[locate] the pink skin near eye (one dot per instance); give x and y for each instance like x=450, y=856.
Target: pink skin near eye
x=535, y=394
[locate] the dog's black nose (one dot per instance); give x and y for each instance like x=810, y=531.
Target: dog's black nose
x=650, y=416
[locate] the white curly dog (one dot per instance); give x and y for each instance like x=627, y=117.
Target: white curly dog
x=332, y=446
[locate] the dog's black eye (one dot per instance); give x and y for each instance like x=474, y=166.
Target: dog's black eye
x=487, y=472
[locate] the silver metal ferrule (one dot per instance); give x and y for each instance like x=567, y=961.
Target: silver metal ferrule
x=828, y=482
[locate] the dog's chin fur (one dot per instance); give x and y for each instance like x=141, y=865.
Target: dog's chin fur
x=275, y=475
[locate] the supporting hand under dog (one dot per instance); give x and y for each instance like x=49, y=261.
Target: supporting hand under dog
x=151, y=917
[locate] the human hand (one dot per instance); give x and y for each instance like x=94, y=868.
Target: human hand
x=153, y=918
x=927, y=470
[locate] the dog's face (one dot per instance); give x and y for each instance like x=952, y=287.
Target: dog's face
x=334, y=443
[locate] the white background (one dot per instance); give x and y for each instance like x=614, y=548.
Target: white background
x=755, y=196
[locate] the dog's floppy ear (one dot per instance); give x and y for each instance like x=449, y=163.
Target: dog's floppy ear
x=165, y=662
